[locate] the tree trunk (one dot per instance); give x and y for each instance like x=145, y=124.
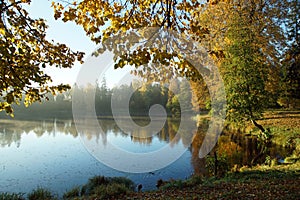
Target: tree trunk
x=216, y=164
x=260, y=127
x=261, y=152
x=263, y=147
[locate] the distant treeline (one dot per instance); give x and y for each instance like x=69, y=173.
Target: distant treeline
x=175, y=97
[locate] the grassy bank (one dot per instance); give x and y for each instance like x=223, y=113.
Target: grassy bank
x=98, y=187
x=257, y=183
x=284, y=127
x=260, y=182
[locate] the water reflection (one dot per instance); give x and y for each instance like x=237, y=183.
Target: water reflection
x=233, y=150
x=167, y=133
x=237, y=147
x=12, y=130
x=50, y=153
x=137, y=149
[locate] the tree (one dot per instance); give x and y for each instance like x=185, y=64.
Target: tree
x=244, y=37
x=185, y=96
x=246, y=40
x=173, y=105
x=244, y=73
x=102, y=20
x=25, y=51
x=291, y=61
x=95, y=15
x=102, y=98
x=200, y=95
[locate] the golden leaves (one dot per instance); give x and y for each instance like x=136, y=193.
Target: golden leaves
x=24, y=52
x=101, y=19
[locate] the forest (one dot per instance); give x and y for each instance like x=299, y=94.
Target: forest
x=144, y=96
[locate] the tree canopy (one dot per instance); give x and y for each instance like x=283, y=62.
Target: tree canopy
x=246, y=39
x=25, y=51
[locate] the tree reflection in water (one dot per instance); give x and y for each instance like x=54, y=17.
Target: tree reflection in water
x=236, y=148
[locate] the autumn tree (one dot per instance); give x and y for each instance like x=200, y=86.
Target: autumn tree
x=244, y=72
x=102, y=20
x=25, y=51
x=200, y=95
x=245, y=38
x=291, y=62
x=185, y=96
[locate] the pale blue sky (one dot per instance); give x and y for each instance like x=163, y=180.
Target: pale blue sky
x=68, y=33
x=73, y=36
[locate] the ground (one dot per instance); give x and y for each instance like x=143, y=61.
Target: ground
x=261, y=182
x=281, y=118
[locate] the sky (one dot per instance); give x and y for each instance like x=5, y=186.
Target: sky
x=74, y=37
x=67, y=33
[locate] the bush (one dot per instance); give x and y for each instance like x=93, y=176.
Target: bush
x=122, y=180
x=194, y=180
x=40, y=194
x=179, y=184
x=12, y=196
x=93, y=183
x=102, y=187
x=74, y=192
x=222, y=165
x=111, y=190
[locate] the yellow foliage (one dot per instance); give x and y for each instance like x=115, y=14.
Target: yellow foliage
x=24, y=52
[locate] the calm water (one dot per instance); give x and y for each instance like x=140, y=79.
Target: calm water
x=52, y=154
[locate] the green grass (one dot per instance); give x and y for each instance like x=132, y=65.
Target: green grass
x=179, y=184
x=109, y=191
x=284, y=136
x=287, y=137
x=260, y=172
x=284, y=128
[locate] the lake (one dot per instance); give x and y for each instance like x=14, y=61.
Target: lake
x=51, y=154
x=54, y=154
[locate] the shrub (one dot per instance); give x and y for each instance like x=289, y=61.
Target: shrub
x=12, y=196
x=104, y=187
x=122, y=180
x=111, y=190
x=222, y=165
x=74, y=192
x=40, y=194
